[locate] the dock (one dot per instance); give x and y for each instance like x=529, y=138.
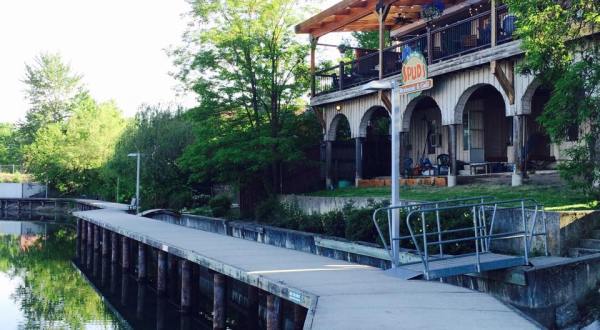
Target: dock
x=336, y=294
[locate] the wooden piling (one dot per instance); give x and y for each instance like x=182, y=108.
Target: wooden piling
x=124, y=288
x=90, y=233
x=96, y=238
x=161, y=305
x=78, y=240
x=125, y=254
x=220, y=290
x=141, y=269
x=161, y=276
x=299, y=317
x=252, y=307
x=105, y=244
x=273, y=312
x=186, y=285
x=114, y=250
x=140, y=301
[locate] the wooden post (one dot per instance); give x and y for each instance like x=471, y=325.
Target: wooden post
x=382, y=12
x=140, y=301
x=313, y=64
x=124, y=288
x=172, y=278
x=219, y=313
x=78, y=240
x=161, y=276
x=429, y=46
x=161, y=305
x=105, y=244
x=125, y=254
x=252, y=307
x=186, y=285
x=494, y=23
x=342, y=74
x=358, y=160
x=518, y=146
x=113, y=278
x=273, y=312
x=104, y=271
x=90, y=245
x=328, y=164
x=299, y=317
x=452, y=151
x=90, y=233
x=141, y=269
x=114, y=241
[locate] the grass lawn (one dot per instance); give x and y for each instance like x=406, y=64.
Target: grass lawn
x=554, y=197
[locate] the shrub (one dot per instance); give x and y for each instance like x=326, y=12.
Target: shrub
x=220, y=205
x=268, y=211
x=333, y=223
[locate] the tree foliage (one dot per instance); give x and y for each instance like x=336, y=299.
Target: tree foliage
x=9, y=144
x=562, y=47
x=248, y=69
x=53, y=89
x=160, y=135
x=69, y=154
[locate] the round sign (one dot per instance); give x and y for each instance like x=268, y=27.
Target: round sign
x=414, y=68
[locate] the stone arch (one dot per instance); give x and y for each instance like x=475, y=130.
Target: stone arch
x=466, y=95
x=408, y=111
x=333, y=125
x=364, y=122
x=527, y=99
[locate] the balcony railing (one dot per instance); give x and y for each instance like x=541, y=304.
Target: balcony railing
x=450, y=41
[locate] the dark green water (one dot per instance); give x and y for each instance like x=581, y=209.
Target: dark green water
x=39, y=286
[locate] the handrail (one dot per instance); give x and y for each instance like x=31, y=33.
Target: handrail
x=399, y=207
x=481, y=237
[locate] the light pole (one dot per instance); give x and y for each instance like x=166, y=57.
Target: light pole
x=392, y=85
x=137, y=181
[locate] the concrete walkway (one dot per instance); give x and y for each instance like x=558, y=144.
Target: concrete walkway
x=338, y=294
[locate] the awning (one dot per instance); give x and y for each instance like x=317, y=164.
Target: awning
x=361, y=15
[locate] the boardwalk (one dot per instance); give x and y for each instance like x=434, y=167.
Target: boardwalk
x=339, y=295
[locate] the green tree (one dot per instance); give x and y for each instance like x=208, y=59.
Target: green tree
x=70, y=154
x=160, y=135
x=248, y=69
x=52, y=90
x=562, y=47
x=9, y=144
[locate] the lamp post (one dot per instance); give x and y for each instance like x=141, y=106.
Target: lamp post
x=379, y=85
x=137, y=181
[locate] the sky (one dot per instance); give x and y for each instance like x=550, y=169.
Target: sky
x=117, y=45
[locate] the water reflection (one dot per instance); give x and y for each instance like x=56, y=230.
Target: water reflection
x=40, y=287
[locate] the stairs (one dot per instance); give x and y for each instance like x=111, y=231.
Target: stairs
x=587, y=246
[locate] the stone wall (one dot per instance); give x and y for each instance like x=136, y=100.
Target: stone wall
x=315, y=204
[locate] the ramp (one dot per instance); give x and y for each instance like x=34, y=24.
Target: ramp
x=468, y=228
x=459, y=265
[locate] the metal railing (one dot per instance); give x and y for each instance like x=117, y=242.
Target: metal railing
x=483, y=216
x=416, y=206
x=11, y=168
x=459, y=38
x=429, y=232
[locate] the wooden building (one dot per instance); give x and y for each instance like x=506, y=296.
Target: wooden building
x=480, y=115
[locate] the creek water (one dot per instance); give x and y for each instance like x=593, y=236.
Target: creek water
x=43, y=286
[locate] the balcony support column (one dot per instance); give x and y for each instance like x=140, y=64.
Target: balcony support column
x=328, y=164
x=313, y=64
x=452, y=153
x=358, y=159
x=519, y=146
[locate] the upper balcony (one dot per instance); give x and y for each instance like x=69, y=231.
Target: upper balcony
x=464, y=27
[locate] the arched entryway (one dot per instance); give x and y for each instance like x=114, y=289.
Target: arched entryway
x=425, y=143
x=538, y=153
x=340, y=155
x=485, y=135
x=374, y=144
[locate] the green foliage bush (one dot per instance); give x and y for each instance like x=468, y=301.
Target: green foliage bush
x=220, y=205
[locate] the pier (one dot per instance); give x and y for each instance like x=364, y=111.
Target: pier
x=324, y=293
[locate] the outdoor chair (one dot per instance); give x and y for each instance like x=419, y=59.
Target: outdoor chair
x=443, y=164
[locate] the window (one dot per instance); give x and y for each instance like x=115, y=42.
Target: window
x=573, y=133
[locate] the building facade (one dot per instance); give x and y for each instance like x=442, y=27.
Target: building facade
x=479, y=117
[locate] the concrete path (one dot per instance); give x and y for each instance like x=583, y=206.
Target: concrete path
x=338, y=294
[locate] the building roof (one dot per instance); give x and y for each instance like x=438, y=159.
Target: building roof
x=361, y=15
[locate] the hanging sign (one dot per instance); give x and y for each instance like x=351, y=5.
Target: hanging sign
x=414, y=74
